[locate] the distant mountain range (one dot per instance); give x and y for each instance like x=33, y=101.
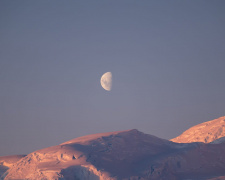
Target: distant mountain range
x=197, y=154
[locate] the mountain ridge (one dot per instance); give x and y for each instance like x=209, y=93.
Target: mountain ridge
x=122, y=155
x=204, y=132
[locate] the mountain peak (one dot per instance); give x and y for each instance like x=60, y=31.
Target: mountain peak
x=115, y=153
x=205, y=132
x=128, y=154
x=87, y=138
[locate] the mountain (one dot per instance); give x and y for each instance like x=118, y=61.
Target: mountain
x=123, y=155
x=7, y=161
x=105, y=156
x=205, y=132
x=218, y=141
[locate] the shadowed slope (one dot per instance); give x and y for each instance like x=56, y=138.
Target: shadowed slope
x=107, y=154
x=122, y=155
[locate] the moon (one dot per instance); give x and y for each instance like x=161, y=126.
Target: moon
x=106, y=81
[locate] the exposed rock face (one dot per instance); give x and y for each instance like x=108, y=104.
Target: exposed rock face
x=124, y=155
x=205, y=132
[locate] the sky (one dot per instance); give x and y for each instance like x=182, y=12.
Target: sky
x=167, y=60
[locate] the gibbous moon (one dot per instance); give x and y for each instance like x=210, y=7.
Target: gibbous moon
x=106, y=81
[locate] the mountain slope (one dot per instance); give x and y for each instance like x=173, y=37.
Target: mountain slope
x=91, y=157
x=7, y=161
x=122, y=155
x=205, y=132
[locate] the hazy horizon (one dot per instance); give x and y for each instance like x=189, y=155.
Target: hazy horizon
x=167, y=60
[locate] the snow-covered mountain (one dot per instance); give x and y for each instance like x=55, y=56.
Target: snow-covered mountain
x=115, y=155
x=205, y=132
x=7, y=161
x=123, y=155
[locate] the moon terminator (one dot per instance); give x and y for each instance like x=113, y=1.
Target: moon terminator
x=106, y=81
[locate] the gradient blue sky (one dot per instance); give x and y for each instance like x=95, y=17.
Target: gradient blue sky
x=167, y=59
